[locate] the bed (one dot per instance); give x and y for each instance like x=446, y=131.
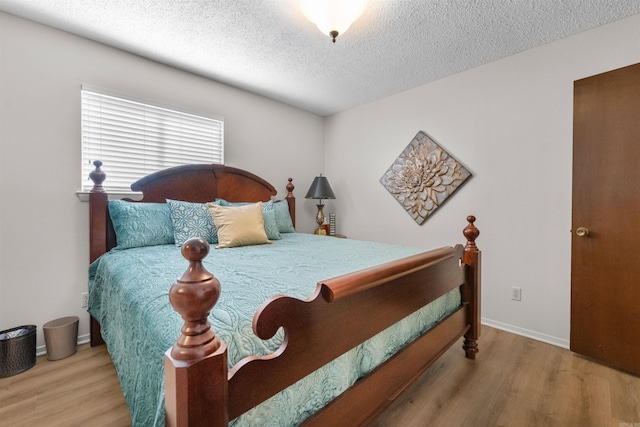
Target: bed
x=298, y=331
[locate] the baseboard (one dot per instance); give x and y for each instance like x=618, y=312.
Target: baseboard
x=42, y=350
x=559, y=342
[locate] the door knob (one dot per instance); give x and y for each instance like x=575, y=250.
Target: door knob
x=582, y=232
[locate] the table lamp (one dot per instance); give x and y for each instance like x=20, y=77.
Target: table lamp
x=320, y=189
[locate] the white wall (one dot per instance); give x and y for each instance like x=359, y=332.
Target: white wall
x=43, y=225
x=510, y=123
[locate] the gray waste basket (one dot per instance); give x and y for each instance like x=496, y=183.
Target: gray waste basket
x=61, y=337
x=17, y=350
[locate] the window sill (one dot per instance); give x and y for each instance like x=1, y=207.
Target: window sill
x=84, y=196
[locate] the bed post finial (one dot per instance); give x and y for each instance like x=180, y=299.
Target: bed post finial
x=193, y=296
x=471, y=233
x=471, y=287
x=98, y=177
x=196, y=365
x=290, y=187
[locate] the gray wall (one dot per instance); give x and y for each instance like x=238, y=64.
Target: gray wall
x=510, y=123
x=43, y=224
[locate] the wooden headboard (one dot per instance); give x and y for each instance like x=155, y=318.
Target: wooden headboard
x=191, y=183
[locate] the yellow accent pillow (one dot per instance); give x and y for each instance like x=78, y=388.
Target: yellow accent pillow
x=239, y=225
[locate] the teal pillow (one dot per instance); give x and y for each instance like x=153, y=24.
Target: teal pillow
x=141, y=224
x=191, y=220
x=283, y=218
x=268, y=214
x=265, y=205
x=270, y=224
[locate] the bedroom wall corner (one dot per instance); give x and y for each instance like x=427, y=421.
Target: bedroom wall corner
x=510, y=123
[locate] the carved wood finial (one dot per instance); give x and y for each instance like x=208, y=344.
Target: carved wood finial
x=471, y=233
x=193, y=296
x=98, y=177
x=290, y=187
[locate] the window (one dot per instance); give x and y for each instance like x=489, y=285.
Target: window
x=134, y=138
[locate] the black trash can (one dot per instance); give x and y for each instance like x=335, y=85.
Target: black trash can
x=17, y=350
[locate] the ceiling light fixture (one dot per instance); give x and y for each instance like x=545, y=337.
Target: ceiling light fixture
x=332, y=17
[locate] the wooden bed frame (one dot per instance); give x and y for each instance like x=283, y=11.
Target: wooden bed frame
x=344, y=312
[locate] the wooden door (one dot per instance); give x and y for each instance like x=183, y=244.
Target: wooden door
x=605, y=247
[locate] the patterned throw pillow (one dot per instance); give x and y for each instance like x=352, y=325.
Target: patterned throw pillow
x=140, y=224
x=191, y=220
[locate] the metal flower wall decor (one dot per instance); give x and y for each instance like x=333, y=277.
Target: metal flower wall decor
x=423, y=177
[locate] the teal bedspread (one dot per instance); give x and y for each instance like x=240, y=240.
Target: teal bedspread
x=129, y=297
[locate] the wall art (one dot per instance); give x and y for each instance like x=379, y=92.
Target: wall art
x=423, y=176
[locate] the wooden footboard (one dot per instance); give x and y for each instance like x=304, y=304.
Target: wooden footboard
x=344, y=312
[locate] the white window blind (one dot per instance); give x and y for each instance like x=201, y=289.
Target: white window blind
x=133, y=139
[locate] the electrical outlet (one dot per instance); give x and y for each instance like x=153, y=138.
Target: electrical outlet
x=516, y=294
x=84, y=297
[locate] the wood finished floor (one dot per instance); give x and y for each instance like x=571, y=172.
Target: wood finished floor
x=514, y=381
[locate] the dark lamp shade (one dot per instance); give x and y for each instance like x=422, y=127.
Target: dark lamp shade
x=320, y=189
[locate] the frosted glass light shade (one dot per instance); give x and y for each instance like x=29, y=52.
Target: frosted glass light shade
x=332, y=15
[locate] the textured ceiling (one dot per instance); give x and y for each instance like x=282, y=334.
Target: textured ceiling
x=268, y=47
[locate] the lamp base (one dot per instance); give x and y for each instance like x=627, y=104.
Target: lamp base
x=320, y=220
